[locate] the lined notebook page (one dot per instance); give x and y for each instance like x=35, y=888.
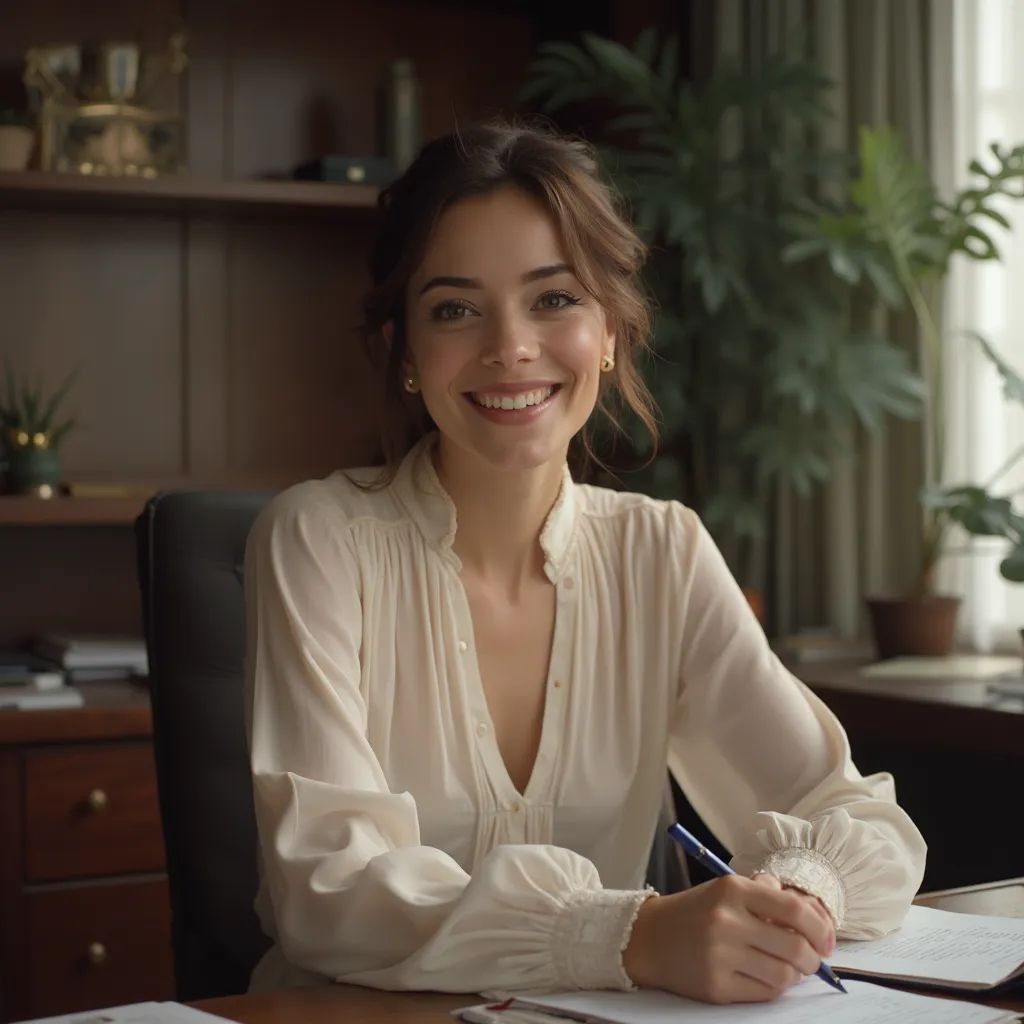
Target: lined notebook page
x=964, y=950
x=810, y=1002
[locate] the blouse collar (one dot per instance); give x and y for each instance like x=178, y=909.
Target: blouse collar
x=432, y=510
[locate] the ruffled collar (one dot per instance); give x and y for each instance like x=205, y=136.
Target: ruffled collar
x=432, y=510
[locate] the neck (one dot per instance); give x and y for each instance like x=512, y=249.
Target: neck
x=501, y=514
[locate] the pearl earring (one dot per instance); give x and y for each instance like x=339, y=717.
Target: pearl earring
x=410, y=385
x=607, y=364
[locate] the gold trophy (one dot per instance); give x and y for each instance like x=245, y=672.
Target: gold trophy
x=100, y=123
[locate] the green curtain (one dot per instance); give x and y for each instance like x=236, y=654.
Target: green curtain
x=860, y=533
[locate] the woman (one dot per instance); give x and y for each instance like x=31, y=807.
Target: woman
x=466, y=677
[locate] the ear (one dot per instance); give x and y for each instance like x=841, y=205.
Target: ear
x=388, y=333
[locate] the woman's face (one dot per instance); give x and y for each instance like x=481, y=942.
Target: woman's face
x=503, y=341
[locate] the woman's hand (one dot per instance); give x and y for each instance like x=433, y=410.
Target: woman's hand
x=730, y=940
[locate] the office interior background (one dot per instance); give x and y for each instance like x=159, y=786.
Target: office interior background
x=187, y=200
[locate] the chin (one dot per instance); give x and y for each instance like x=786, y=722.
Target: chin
x=518, y=455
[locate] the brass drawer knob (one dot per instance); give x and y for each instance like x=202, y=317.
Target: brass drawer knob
x=97, y=952
x=98, y=800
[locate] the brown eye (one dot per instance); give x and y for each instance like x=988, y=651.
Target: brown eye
x=450, y=311
x=557, y=300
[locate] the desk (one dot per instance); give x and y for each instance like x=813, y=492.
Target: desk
x=338, y=1003
x=956, y=752
x=949, y=714
x=84, y=913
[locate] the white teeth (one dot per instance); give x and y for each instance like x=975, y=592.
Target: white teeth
x=520, y=401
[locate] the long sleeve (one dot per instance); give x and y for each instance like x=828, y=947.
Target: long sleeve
x=355, y=895
x=768, y=767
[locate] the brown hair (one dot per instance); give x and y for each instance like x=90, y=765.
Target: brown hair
x=605, y=252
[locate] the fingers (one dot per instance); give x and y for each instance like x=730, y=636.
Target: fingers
x=787, y=947
x=788, y=910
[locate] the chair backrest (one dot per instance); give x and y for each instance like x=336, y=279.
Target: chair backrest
x=191, y=548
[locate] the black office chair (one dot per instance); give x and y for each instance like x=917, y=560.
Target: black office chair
x=191, y=548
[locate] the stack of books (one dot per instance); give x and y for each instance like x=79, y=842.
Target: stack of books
x=88, y=657
x=30, y=682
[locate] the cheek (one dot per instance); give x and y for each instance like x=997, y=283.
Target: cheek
x=578, y=347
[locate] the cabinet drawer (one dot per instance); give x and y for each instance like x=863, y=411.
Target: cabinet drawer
x=91, y=811
x=99, y=945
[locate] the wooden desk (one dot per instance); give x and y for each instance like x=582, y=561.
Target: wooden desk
x=949, y=714
x=84, y=911
x=336, y=1003
x=956, y=752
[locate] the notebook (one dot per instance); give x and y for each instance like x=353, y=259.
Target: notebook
x=962, y=952
x=810, y=1002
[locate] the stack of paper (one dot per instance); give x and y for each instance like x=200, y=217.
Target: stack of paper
x=810, y=1002
x=137, y=1013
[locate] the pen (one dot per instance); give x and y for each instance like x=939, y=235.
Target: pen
x=700, y=853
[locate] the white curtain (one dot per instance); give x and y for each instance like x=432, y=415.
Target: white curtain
x=986, y=104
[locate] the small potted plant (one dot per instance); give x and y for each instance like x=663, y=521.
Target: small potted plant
x=31, y=435
x=16, y=139
x=899, y=235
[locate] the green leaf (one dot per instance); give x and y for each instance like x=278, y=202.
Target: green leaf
x=1012, y=567
x=1013, y=383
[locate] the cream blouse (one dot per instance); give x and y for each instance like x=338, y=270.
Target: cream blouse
x=396, y=851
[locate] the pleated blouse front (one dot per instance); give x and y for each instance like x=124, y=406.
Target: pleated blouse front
x=395, y=849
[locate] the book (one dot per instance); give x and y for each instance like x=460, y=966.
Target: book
x=22, y=668
x=29, y=698
x=940, y=949
x=83, y=651
x=809, y=1002
x=953, y=666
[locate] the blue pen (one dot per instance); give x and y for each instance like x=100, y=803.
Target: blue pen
x=700, y=853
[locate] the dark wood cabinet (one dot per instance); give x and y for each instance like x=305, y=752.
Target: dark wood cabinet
x=84, y=908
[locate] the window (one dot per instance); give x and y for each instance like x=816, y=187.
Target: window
x=986, y=102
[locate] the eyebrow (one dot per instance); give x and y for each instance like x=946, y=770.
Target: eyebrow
x=472, y=282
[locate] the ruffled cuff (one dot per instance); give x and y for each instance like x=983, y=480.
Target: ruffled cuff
x=810, y=872
x=591, y=935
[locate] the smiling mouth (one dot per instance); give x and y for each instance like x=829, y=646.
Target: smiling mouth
x=507, y=402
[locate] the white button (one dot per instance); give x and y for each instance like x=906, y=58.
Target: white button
x=569, y=583
x=481, y=729
x=463, y=646
x=515, y=808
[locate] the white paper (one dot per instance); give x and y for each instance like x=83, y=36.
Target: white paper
x=810, y=1002
x=953, y=666
x=937, y=945
x=136, y=1013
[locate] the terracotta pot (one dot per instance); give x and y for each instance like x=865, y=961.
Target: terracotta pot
x=924, y=625
x=756, y=601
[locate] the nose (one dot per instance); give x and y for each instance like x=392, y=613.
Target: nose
x=508, y=341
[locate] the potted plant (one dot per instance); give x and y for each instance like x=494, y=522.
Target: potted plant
x=31, y=435
x=16, y=139
x=758, y=373
x=895, y=232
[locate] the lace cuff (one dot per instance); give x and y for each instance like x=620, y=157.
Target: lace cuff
x=810, y=872
x=592, y=935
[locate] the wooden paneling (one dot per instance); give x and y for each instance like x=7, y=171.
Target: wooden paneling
x=308, y=83
x=124, y=926
x=300, y=390
x=103, y=291
x=68, y=578
x=90, y=812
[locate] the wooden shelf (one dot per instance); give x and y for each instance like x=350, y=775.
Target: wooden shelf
x=16, y=510
x=182, y=194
